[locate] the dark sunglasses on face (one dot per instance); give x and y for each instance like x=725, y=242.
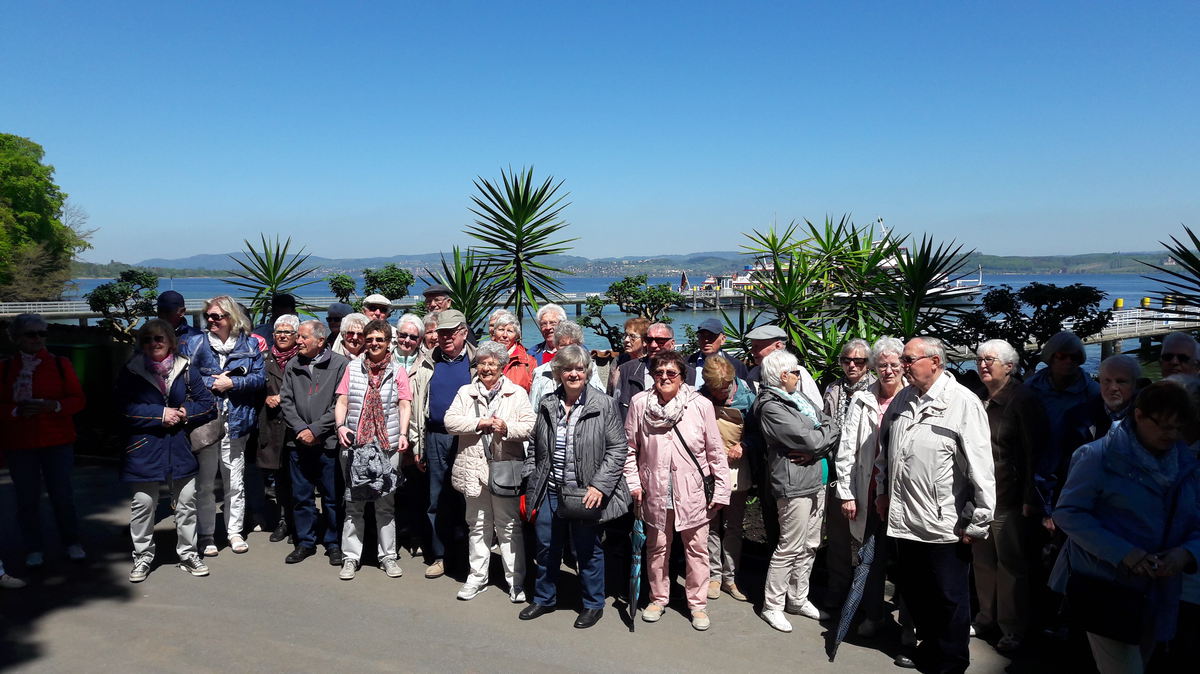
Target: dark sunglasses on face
x=213, y=318
x=35, y=333
x=668, y=374
x=376, y=307
x=156, y=339
x=406, y=335
x=659, y=340
x=1171, y=357
x=377, y=340
x=857, y=361
x=351, y=333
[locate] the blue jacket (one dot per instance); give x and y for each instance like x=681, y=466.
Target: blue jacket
x=153, y=452
x=247, y=392
x=1111, y=504
x=1047, y=479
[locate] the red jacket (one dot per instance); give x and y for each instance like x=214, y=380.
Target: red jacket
x=519, y=368
x=54, y=379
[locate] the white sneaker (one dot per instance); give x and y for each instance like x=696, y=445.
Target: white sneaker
x=34, y=559
x=238, y=544
x=141, y=569
x=10, y=583
x=349, y=566
x=808, y=610
x=391, y=567
x=75, y=553
x=777, y=620
x=517, y=596
x=470, y=590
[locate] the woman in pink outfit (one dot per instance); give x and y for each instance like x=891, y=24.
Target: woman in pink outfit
x=674, y=444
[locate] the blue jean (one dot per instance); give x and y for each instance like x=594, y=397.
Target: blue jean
x=311, y=466
x=935, y=585
x=446, y=507
x=552, y=533
x=29, y=468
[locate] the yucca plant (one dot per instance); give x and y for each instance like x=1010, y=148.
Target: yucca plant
x=271, y=270
x=919, y=301
x=474, y=289
x=1182, y=281
x=519, y=224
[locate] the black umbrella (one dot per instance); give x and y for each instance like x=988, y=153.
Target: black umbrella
x=866, y=555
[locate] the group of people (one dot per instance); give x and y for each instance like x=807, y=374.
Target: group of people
x=899, y=466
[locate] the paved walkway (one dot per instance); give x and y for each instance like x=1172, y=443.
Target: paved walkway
x=256, y=614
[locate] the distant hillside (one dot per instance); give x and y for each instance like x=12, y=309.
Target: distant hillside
x=1089, y=263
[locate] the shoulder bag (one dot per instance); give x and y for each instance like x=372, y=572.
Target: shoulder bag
x=209, y=432
x=710, y=480
x=504, y=477
x=570, y=497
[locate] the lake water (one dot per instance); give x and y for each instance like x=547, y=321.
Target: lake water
x=1132, y=288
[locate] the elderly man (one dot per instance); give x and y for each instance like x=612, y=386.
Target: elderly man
x=307, y=396
x=543, y=378
x=172, y=309
x=548, y=318
x=1179, y=354
x=377, y=307
x=711, y=336
x=437, y=297
x=936, y=492
x=634, y=377
x=767, y=338
x=436, y=379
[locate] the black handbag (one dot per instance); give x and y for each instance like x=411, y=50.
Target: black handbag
x=710, y=480
x=1106, y=607
x=570, y=500
x=504, y=477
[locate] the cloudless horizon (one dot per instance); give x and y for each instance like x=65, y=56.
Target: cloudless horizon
x=357, y=128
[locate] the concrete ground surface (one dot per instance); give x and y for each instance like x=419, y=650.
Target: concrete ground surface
x=254, y=613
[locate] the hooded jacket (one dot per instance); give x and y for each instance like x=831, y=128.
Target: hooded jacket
x=154, y=452
x=785, y=429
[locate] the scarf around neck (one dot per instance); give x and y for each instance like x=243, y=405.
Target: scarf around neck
x=372, y=423
x=23, y=385
x=222, y=349
x=801, y=402
x=161, y=368
x=282, y=357
x=660, y=416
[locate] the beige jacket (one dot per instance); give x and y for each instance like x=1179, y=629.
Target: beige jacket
x=469, y=474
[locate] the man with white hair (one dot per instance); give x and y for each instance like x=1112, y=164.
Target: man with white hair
x=548, y=318
x=1179, y=354
x=937, y=493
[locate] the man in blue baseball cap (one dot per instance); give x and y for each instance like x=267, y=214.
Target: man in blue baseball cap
x=711, y=335
x=172, y=309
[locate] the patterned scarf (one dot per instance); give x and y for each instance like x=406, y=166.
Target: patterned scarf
x=282, y=357
x=372, y=425
x=660, y=416
x=162, y=368
x=23, y=385
x=848, y=390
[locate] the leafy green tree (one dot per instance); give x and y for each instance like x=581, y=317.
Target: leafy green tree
x=271, y=270
x=518, y=224
x=632, y=296
x=342, y=286
x=391, y=281
x=124, y=303
x=474, y=289
x=1031, y=315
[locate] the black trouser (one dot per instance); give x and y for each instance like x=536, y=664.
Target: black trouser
x=935, y=584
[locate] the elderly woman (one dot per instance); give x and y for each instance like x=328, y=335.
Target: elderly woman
x=430, y=340
x=271, y=456
x=544, y=378
x=39, y=394
x=519, y=366
x=229, y=359
x=410, y=332
x=374, y=403
x=731, y=399
x=492, y=418
x=674, y=448
x=349, y=342
x=855, y=484
x=1131, y=511
x=160, y=395
x=574, y=483
x=798, y=437
x=1019, y=429
x=549, y=316
x=633, y=343
x=1061, y=385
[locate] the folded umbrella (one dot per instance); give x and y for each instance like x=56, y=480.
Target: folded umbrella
x=866, y=555
x=637, y=541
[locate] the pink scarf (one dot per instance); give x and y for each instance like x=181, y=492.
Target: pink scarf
x=162, y=368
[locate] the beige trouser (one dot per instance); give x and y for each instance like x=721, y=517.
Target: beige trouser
x=791, y=564
x=1116, y=657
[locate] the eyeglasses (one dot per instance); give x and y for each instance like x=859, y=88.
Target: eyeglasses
x=154, y=339
x=659, y=340
x=214, y=318
x=666, y=374
x=909, y=360
x=795, y=373
x=987, y=360
x=351, y=333
x=632, y=335
x=407, y=335
x=1173, y=357
x=888, y=366
x=857, y=361
x=35, y=333
x=1165, y=428
x=377, y=340
x=285, y=332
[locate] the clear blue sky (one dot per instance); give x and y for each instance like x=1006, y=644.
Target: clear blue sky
x=1017, y=127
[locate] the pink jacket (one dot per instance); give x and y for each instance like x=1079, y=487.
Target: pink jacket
x=656, y=456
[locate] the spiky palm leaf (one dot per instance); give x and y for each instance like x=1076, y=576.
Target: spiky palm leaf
x=273, y=270
x=518, y=224
x=1182, y=282
x=920, y=302
x=473, y=287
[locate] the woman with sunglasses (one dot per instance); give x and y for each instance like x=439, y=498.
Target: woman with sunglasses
x=406, y=346
x=374, y=403
x=798, y=437
x=271, y=456
x=518, y=369
x=674, y=445
x=231, y=363
x=160, y=396
x=633, y=343
x=1061, y=385
x=350, y=342
x=39, y=394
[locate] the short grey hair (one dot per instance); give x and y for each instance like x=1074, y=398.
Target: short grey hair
x=413, y=320
x=494, y=350
x=551, y=308
x=569, y=331
x=1000, y=349
x=1182, y=337
x=23, y=322
x=775, y=364
x=431, y=318
x=933, y=347
x=318, y=328
x=506, y=317
x=288, y=320
x=355, y=321
x=856, y=344
x=884, y=346
x=1125, y=361
x=1063, y=342
x=661, y=326
x=568, y=357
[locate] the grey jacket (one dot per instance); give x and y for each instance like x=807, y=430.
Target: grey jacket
x=600, y=447
x=307, y=397
x=785, y=429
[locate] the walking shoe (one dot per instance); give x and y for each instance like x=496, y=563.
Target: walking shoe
x=700, y=620
x=435, y=570
x=1008, y=643
x=238, y=544
x=534, y=611
x=589, y=617
x=280, y=533
x=517, y=596
x=207, y=547
x=714, y=589
x=8, y=582
x=349, y=566
x=75, y=553
x=141, y=569
x=194, y=566
x=391, y=567
x=808, y=610
x=334, y=553
x=300, y=554
x=470, y=590
x=776, y=619
x=652, y=613
x=34, y=559
x=732, y=590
